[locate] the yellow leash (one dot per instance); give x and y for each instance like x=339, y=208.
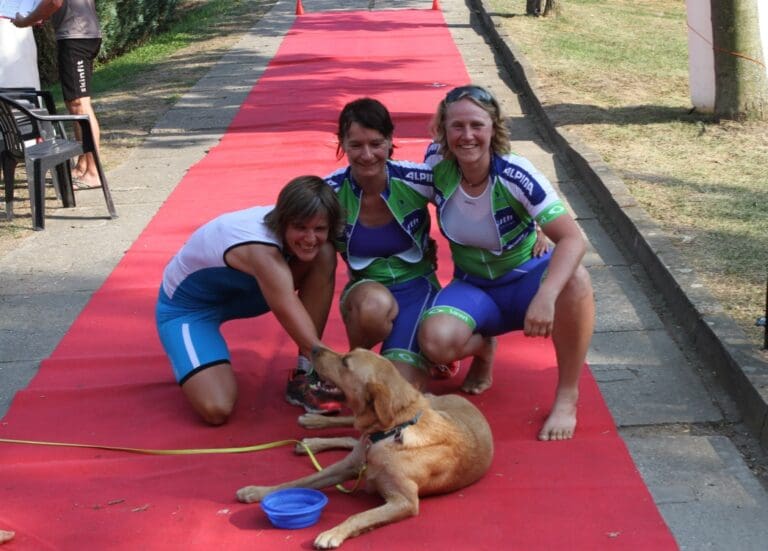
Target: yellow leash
x=193, y=451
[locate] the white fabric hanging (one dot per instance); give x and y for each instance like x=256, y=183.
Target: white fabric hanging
x=18, y=57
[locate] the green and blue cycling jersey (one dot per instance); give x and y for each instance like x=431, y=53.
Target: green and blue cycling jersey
x=409, y=190
x=520, y=196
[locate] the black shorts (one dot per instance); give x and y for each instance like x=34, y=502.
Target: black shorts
x=76, y=56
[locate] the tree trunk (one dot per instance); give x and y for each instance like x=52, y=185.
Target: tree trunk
x=741, y=83
x=533, y=7
x=552, y=8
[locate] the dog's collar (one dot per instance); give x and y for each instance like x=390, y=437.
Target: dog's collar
x=397, y=431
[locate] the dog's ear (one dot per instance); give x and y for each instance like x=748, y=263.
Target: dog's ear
x=383, y=402
x=389, y=402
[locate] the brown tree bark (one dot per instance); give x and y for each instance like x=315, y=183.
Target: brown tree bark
x=533, y=7
x=551, y=8
x=741, y=83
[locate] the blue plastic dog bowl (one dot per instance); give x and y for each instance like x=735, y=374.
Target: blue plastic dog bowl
x=294, y=507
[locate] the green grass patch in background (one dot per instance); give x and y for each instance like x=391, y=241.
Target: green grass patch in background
x=196, y=20
x=615, y=73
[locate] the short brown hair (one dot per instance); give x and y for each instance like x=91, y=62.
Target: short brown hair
x=369, y=113
x=301, y=199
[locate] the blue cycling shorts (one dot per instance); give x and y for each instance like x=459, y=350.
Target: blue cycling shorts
x=492, y=307
x=190, y=328
x=413, y=298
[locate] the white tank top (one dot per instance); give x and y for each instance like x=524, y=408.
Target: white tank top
x=468, y=220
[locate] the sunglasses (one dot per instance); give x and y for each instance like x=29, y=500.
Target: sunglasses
x=474, y=92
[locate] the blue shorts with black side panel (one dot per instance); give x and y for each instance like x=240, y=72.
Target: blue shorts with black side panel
x=189, y=324
x=413, y=298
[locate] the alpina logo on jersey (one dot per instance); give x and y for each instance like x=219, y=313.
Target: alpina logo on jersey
x=419, y=176
x=522, y=179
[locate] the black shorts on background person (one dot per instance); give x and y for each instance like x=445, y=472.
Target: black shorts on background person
x=78, y=39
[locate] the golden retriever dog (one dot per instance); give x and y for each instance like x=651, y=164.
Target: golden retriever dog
x=411, y=444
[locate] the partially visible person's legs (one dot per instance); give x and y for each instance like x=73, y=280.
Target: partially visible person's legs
x=200, y=361
x=572, y=331
x=374, y=314
x=368, y=310
x=451, y=330
x=76, y=57
x=6, y=535
x=212, y=393
x=86, y=170
x=462, y=312
x=190, y=333
x=401, y=346
x=446, y=339
x=573, y=327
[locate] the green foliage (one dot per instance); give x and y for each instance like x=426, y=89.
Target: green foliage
x=124, y=24
x=46, y=53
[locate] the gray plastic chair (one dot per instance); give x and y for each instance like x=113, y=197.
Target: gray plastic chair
x=52, y=152
x=41, y=101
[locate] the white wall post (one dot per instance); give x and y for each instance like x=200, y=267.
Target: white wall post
x=701, y=55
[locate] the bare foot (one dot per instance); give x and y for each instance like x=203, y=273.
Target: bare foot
x=561, y=423
x=6, y=536
x=480, y=375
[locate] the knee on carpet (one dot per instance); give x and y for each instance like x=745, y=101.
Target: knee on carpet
x=215, y=413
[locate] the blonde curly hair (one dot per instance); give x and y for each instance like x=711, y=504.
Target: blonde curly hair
x=483, y=99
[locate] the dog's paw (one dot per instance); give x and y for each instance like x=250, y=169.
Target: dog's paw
x=251, y=494
x=330, y=539
x=313, y=421
x=6, y=535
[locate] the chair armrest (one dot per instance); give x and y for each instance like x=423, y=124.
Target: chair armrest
x=84, y=121
x=25, y=93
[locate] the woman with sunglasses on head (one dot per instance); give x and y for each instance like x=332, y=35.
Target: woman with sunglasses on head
x=489, y=202
x=385, y=243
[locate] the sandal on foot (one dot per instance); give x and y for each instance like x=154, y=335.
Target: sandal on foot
x=443, y=371
x=79, y=185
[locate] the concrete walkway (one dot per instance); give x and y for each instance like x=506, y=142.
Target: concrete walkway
x=668, y=406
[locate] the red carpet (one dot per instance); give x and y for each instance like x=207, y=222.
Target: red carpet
x=108, y=381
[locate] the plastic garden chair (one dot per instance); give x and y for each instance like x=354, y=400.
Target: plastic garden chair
x=51, y=151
